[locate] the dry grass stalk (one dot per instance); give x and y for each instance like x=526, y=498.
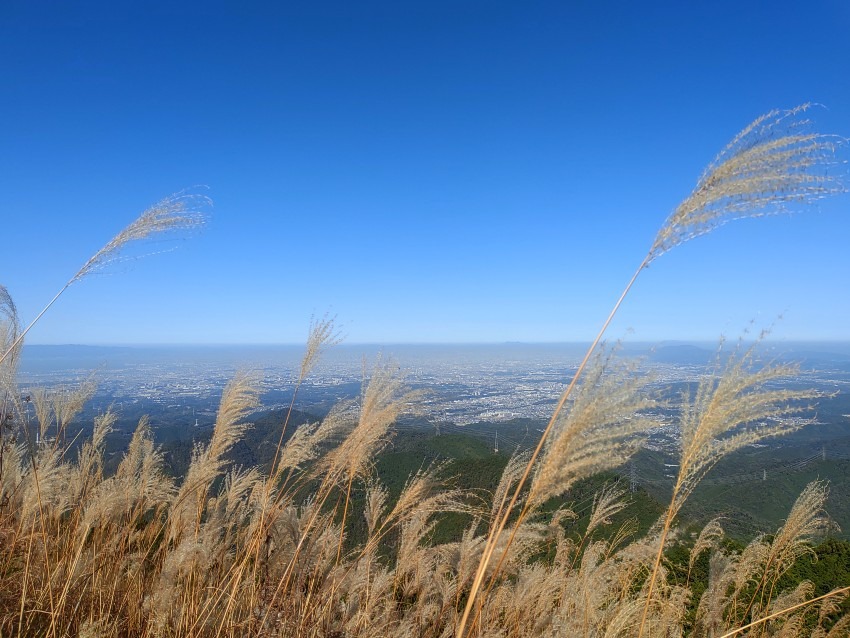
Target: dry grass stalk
x=10, y=329
x=734, y=407
x=239, y=398
x=383, y=399
x=606, y=504
x=114, y=545
x=10, y=402
x=599, y=430
x=707, y=540
x=43, y=410
x=510, y=475
x=114, y=554
x=842, y=624
x=762, y=168
x=177, y=213
x=322, y=335
x=806, y=521
x=67, y=403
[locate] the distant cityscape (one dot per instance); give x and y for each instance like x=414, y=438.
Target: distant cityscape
x=464, y=384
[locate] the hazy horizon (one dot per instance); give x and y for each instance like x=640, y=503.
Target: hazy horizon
x=585, y=343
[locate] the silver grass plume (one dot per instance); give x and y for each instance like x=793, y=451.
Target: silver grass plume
x=791, y=598
x=722, y=570
x=422, y=495
x=831, y=607
x=232, y=507
x=708, y=538
x=383, y=399
x=738, y=405
x=43, y=410
x=45, y=487
x=141, y=446
x=323, y=334
x=67, y=403
x=298, y=450
x=805, y=522
x=10, y=328
x=793, y=540
x=90, y=459
x=180, y=212
x=302, y=445
x=599, y=430
x=137, y=486
x=376, y=500
x=307, y=441
x=735, y=406
x=240, y=396
x=773, y=162
x=607, y=503
x=510, y=475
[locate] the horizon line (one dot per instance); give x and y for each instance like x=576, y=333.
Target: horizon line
x=213, y=344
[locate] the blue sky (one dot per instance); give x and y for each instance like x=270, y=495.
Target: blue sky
x=425, y=171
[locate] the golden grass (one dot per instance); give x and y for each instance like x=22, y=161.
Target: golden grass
x=769, y=164
x=233, y=552
x=237, y=552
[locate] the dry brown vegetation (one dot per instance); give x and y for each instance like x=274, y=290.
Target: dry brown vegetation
x=232, y=551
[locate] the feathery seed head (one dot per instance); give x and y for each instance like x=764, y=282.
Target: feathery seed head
x=298, y=449
x=181, y=211
x=772, y=163
x=10, y=349
x=323, y=335
x=738, y=405
x=510, y=475
x=606, y=503
x=384, y=398
x=102, y=427
x=140, y=446
x=240, y=396
x=600, y=429
x=67, y=403
x=708, y=538
x=43, y=410
x=805, y=521
x=10, y=325
x=376, y=500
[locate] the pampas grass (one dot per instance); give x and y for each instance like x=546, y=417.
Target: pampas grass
x=177, y=213
x=773, y=163
x=734, y=407
x=768, y=165
x=237, y=400
x=222, y=553
x=10, y=330
x=599, y=429
x=10, y=404
x=315, y=545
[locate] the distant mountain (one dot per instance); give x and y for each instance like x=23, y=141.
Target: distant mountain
x=817, y=359
x=682, y=354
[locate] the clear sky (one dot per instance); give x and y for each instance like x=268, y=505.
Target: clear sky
x=437, y=171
